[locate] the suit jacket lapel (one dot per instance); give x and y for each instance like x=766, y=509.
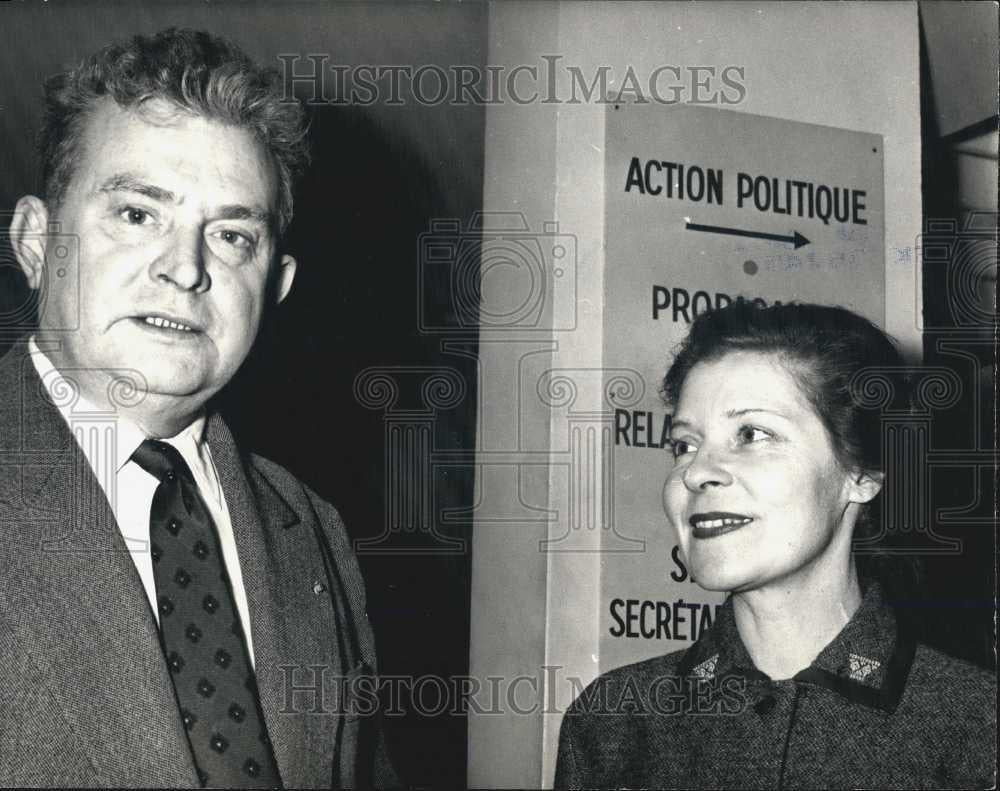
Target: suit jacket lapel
x=75, y=598
x=292, y=627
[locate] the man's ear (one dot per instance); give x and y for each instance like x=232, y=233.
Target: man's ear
x=865, y=485
x=284, y=277
x=28, y=237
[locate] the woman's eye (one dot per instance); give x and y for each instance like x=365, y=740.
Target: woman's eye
x=679, y=447
x=749, y=434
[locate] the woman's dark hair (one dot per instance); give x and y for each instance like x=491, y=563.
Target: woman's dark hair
x=852, y=374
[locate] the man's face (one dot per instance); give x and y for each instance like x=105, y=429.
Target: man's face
x=174, y=217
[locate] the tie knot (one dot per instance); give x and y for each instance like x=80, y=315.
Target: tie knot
x=161, y=460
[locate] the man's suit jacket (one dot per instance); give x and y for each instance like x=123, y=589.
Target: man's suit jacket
x=85, y=694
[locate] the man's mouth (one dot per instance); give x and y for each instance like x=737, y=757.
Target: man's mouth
x=717, y=523
x=159, y=321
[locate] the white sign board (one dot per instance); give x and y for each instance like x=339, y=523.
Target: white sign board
x=704, y=206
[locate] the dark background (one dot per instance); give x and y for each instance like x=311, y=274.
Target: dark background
x=956, y=605
x=381, y=175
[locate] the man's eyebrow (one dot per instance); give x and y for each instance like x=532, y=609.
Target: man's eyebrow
x=238, y=212
x=126, y=182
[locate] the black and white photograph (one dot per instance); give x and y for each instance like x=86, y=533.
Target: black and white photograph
x=498, y=394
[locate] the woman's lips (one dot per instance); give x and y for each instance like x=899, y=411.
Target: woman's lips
x=717, y=523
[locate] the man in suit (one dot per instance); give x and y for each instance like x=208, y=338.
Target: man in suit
x=173, y=610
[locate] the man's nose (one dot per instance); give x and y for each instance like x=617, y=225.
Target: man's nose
x=708, y=468
x=182, y=263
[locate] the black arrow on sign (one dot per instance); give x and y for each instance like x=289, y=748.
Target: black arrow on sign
x=796, y=238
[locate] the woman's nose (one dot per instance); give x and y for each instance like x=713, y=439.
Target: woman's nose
x=706, y=469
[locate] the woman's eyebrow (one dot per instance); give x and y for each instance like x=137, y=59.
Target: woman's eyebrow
x=731, y=414
x=680, y=424
x=734, y=413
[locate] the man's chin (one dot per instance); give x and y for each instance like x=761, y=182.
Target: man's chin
x=182, y=384
x=160, y=386
x=166, y=372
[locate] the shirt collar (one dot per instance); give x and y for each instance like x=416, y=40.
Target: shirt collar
x=867, y=662
x=81, y=414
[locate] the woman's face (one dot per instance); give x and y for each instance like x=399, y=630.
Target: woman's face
x=756, y=494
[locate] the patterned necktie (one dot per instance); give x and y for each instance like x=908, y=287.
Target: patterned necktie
x=201, y=632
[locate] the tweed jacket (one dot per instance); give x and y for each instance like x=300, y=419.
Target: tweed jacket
x=85, y=694
x=874, y=710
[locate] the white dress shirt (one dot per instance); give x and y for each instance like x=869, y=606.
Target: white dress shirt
x=129, y=488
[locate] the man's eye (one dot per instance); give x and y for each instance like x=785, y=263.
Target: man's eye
x=679, y=447
x=235, y=238
x=749, y=434
x=135, y=216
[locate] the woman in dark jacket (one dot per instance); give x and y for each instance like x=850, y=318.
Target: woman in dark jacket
x=806, y=679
